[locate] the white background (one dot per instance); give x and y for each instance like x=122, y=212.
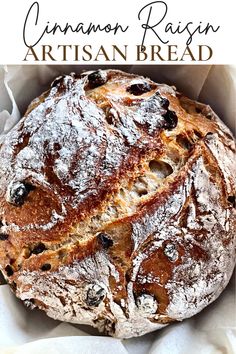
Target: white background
x=13, y=13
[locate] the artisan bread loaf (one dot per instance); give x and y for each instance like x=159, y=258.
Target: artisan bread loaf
x=117, y=203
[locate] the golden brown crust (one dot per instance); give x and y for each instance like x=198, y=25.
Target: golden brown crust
x=112, y=172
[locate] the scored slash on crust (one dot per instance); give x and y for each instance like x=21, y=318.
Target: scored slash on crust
x=171, y=252
x=17, y=193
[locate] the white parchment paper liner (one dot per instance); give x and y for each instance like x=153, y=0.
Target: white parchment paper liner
x=213, y=331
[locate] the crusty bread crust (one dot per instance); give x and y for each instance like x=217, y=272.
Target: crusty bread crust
x=117, y=203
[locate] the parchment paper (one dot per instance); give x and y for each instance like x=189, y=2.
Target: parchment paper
x=213, y=331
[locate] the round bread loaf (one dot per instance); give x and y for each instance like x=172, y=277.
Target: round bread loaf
x=117, y=203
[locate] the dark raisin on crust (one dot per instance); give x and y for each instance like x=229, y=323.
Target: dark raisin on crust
x=231, y=199
x=46, y=267
x=139, y=88
x=164, y=102
x=208, y=135
x=199, y=134
x=157, y=103
x=105, y=240
x=146, y=303
x=58, y=81
x=95, y=294
x=111, y=116
x=17, y=193
x=9, y=270
x=171, y=252
x=127, y=277
x=38, y=248
x=171, y=120
x=97, y=78
x=3, y=237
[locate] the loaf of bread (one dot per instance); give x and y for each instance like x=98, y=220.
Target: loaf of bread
x=117, y=203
